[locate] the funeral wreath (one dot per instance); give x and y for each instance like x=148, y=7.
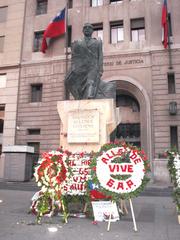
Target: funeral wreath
x=119, y=170
x=50, y=174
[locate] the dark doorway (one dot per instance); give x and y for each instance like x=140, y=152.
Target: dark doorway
x=129, y=127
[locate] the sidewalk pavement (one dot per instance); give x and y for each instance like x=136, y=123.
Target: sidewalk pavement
x=154, y=210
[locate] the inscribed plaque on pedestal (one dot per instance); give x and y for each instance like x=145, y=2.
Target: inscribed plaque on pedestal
x=83, y=126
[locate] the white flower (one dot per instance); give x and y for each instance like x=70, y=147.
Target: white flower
x=35, y=196
x=39, y=184
x=44, y=189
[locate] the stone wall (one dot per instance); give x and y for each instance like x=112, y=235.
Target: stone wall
x=162, y=120
x=42, y=115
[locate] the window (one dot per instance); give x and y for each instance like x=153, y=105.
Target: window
x=69, y=36
x=1, y=125
x=3, y=78
x=34, y=131
x=95, y=3
x=3, y=14
x=174, y=137
x=171, y=83
x=130, y=132
x=70, y=4
x=41, y=7
x=115, y=1
x=117, y=32
x=98, y=30
x=36, y=92
x=2, y=110
x=38, y=36
x=2, y=43
x=137, y=30
x=0, y=149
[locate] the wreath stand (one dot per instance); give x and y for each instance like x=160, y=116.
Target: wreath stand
x=123, y=207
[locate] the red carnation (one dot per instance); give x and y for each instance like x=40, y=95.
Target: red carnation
x=145, y=158
x=62, y=175
x=81, y=154
x=94, y=168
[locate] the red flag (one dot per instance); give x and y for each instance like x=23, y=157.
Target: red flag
x=94, y=194
x=164, y=23
x=54, y=29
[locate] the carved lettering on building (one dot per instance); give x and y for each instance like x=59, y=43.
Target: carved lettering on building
x=134, y=61
x=124, y=62
x=108, y=63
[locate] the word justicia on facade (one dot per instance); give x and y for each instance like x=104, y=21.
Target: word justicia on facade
x=124, y=62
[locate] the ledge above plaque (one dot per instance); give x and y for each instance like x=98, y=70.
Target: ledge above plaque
x=83, y=126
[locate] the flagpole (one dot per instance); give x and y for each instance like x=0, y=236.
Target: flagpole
x=169, y=41
x=169, y=48
x=66, y=51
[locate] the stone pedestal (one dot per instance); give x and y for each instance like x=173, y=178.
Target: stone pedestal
x=161, y=173
x=86, y=124
x=18, y=163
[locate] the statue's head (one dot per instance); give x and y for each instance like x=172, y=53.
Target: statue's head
x=88, y=29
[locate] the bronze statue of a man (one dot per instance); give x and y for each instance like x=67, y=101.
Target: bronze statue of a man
x=84, y=78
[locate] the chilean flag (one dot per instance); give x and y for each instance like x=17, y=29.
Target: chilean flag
x=54, y=29
x=164, y=22
x=95, y=194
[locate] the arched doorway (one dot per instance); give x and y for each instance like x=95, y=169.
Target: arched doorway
x=129, y=128
x=133, y=90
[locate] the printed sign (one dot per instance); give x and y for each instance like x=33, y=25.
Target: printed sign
x=103, y=209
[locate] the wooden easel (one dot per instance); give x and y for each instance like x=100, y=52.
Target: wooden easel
x=124, y=210
x=123, y=207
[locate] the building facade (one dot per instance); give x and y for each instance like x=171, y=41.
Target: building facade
x=12, y=15
x=147, y=75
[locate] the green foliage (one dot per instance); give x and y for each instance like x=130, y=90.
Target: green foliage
x=174, y=178
x=44, y=206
